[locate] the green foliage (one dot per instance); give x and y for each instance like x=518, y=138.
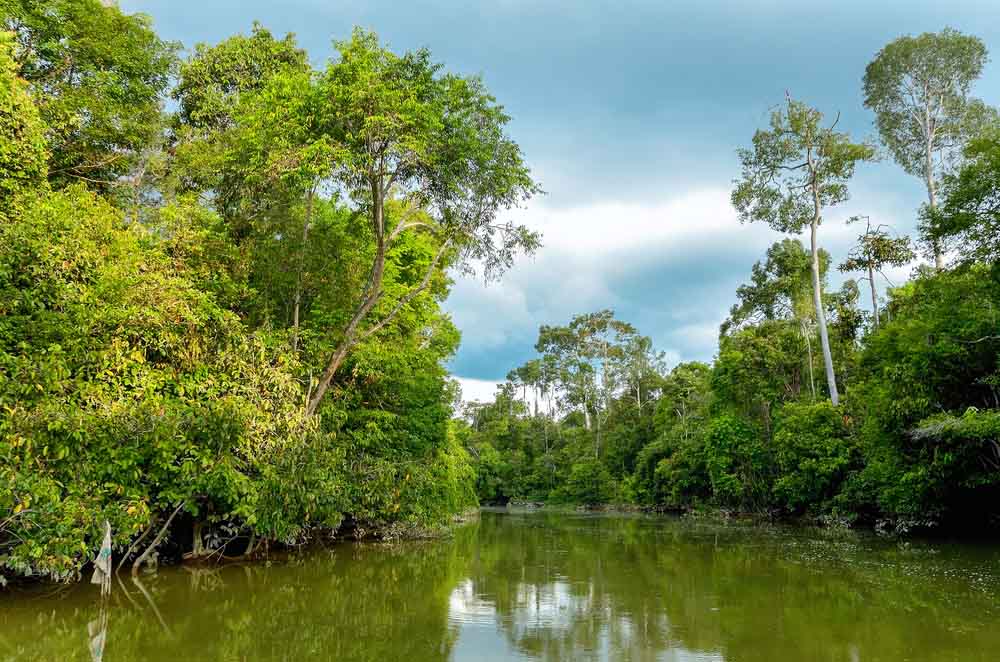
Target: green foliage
x=970, y=213
x=795, y=169
x=876, y=249
x=97, y=75
x=23, y=155
x=813, y=452
x=738, y=463
x=922, y=82
x=160, y=357
x=589, y=483
x=780, y=287
x=212, y=82
x=936, y=358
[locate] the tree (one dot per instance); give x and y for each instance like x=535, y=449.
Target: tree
x=875, y=250
x=435, y=140
x=589, y=353
x=97, y=75
x=791, y=174
x=780, y=288
x=23, y=155
x=247, y=138
x=971, y=208
x=919, y=88
x=212, y=82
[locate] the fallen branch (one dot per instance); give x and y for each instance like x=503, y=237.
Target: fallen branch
x=135, y=545
x=156, y=541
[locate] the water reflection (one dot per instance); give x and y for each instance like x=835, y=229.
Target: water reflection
x=543, y=587
x=586, y=587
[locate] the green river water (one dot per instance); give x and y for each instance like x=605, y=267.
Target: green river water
x=544, y=586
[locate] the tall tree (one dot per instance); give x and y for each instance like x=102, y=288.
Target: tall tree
x=919, y=88
x=237, y=130
x=591, y=354
x=98, y=76
x=970, y=211
x=875, y=250
x=437, y=142
x=792, y=172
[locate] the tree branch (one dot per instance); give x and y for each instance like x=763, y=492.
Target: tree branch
x=411, y=294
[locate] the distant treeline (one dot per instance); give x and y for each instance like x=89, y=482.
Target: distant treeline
x=887, y=416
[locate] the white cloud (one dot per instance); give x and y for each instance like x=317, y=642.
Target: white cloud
x=669, y=267
x=589, y=255
x=481, y=390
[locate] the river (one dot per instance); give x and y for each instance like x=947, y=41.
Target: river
x=543, y=586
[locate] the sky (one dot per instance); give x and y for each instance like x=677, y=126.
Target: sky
x=629, y=114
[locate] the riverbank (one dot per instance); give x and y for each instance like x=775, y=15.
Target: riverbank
x=722, y=516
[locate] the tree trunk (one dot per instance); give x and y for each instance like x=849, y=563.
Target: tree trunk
x=156, y=541
x=929, y=177
x=824, y=339
x=372, y=295
x=197, y=541
x=871, y=281
x=301, y=269
x=809, y=352
x=597, y=437
x=932, y=203
x=374, y=291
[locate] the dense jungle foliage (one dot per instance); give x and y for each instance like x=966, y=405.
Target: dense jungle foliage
x=812, y=406
x=220, y=286
x=221, y=276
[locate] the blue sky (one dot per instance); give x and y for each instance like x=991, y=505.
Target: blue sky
x=629, y=113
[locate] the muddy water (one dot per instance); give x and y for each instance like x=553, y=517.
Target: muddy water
x=540, y=586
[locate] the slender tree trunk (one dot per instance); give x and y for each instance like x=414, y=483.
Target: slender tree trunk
x=824, y=339
x=809, y=352
x=374, y=291
x=929, y=177
x=372, y=294
x=932, y=203
x=301, y=269
x=156, y=541
x=197, y=541
x=597, y=437
x=871, y=281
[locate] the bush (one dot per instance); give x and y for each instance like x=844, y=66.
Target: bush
x=738, y=464
x=589, y=483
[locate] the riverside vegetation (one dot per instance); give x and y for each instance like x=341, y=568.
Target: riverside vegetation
x=220, y=321
x=220, y=326
x=812, y=407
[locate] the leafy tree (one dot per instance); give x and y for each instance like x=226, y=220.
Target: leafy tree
x=875, y=250
x=919, y=89
x=813, y=455
x=794, y=171
x=936, y=359
x=97, y=75
x=439, y=141
x=970, y=212
x=23, y=155
x=590, y=353
x=780, y=288
x=212, y=82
